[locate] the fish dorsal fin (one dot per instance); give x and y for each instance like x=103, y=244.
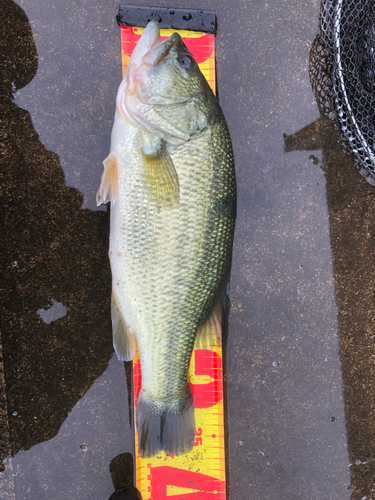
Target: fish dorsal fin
x=210, y=332
x=160, y=174
x=109, y=184
x=123, y=337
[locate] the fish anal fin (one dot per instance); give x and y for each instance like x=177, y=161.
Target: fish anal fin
x=209, y=334
x=108, y=189
x=160, y=174
x=123, y=337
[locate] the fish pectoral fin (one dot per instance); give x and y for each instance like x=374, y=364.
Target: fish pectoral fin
x=209, y=334
x=123, y=337
x=160, y=173
x=109, y=184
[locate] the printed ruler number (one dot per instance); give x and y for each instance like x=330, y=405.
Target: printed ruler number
x=198, y=440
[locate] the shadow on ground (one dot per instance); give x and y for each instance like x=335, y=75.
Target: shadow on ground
x=53, y=258
x=351, y=208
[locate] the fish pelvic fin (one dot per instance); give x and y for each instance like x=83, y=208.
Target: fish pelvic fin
x=209, y=334
x=123, y=337
x=108, y=189
x=167, y=426
x=160, y=174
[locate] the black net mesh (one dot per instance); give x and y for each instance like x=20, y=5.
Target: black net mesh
x=342, y=62
x=320, y=77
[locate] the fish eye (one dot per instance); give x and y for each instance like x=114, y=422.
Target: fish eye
x=185, y=61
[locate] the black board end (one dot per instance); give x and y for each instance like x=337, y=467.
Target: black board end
x=179, y=19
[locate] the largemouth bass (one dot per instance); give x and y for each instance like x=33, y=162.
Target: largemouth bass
x=171, y=182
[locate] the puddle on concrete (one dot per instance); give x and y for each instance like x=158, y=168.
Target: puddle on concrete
x=53, y=311
x=75, y=463
x=300, y=371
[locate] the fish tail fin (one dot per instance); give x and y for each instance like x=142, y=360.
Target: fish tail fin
x=166, y=425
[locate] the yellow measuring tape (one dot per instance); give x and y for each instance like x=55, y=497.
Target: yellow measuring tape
x=200, y=474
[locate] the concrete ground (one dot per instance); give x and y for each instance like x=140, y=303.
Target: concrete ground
x=300, y=351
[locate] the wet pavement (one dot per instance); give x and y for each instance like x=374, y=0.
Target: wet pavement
x=300, y=369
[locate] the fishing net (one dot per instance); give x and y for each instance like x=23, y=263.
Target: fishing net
x=342, y=71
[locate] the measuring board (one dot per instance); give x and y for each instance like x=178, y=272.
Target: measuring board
x=200, y=474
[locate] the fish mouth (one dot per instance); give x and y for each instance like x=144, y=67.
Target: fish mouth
x=134, y=101
x=135, y=71
x=159, y=50
x=149, y=39
x=150, y=49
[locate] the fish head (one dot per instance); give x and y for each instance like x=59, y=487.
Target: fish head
x=163, y=89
